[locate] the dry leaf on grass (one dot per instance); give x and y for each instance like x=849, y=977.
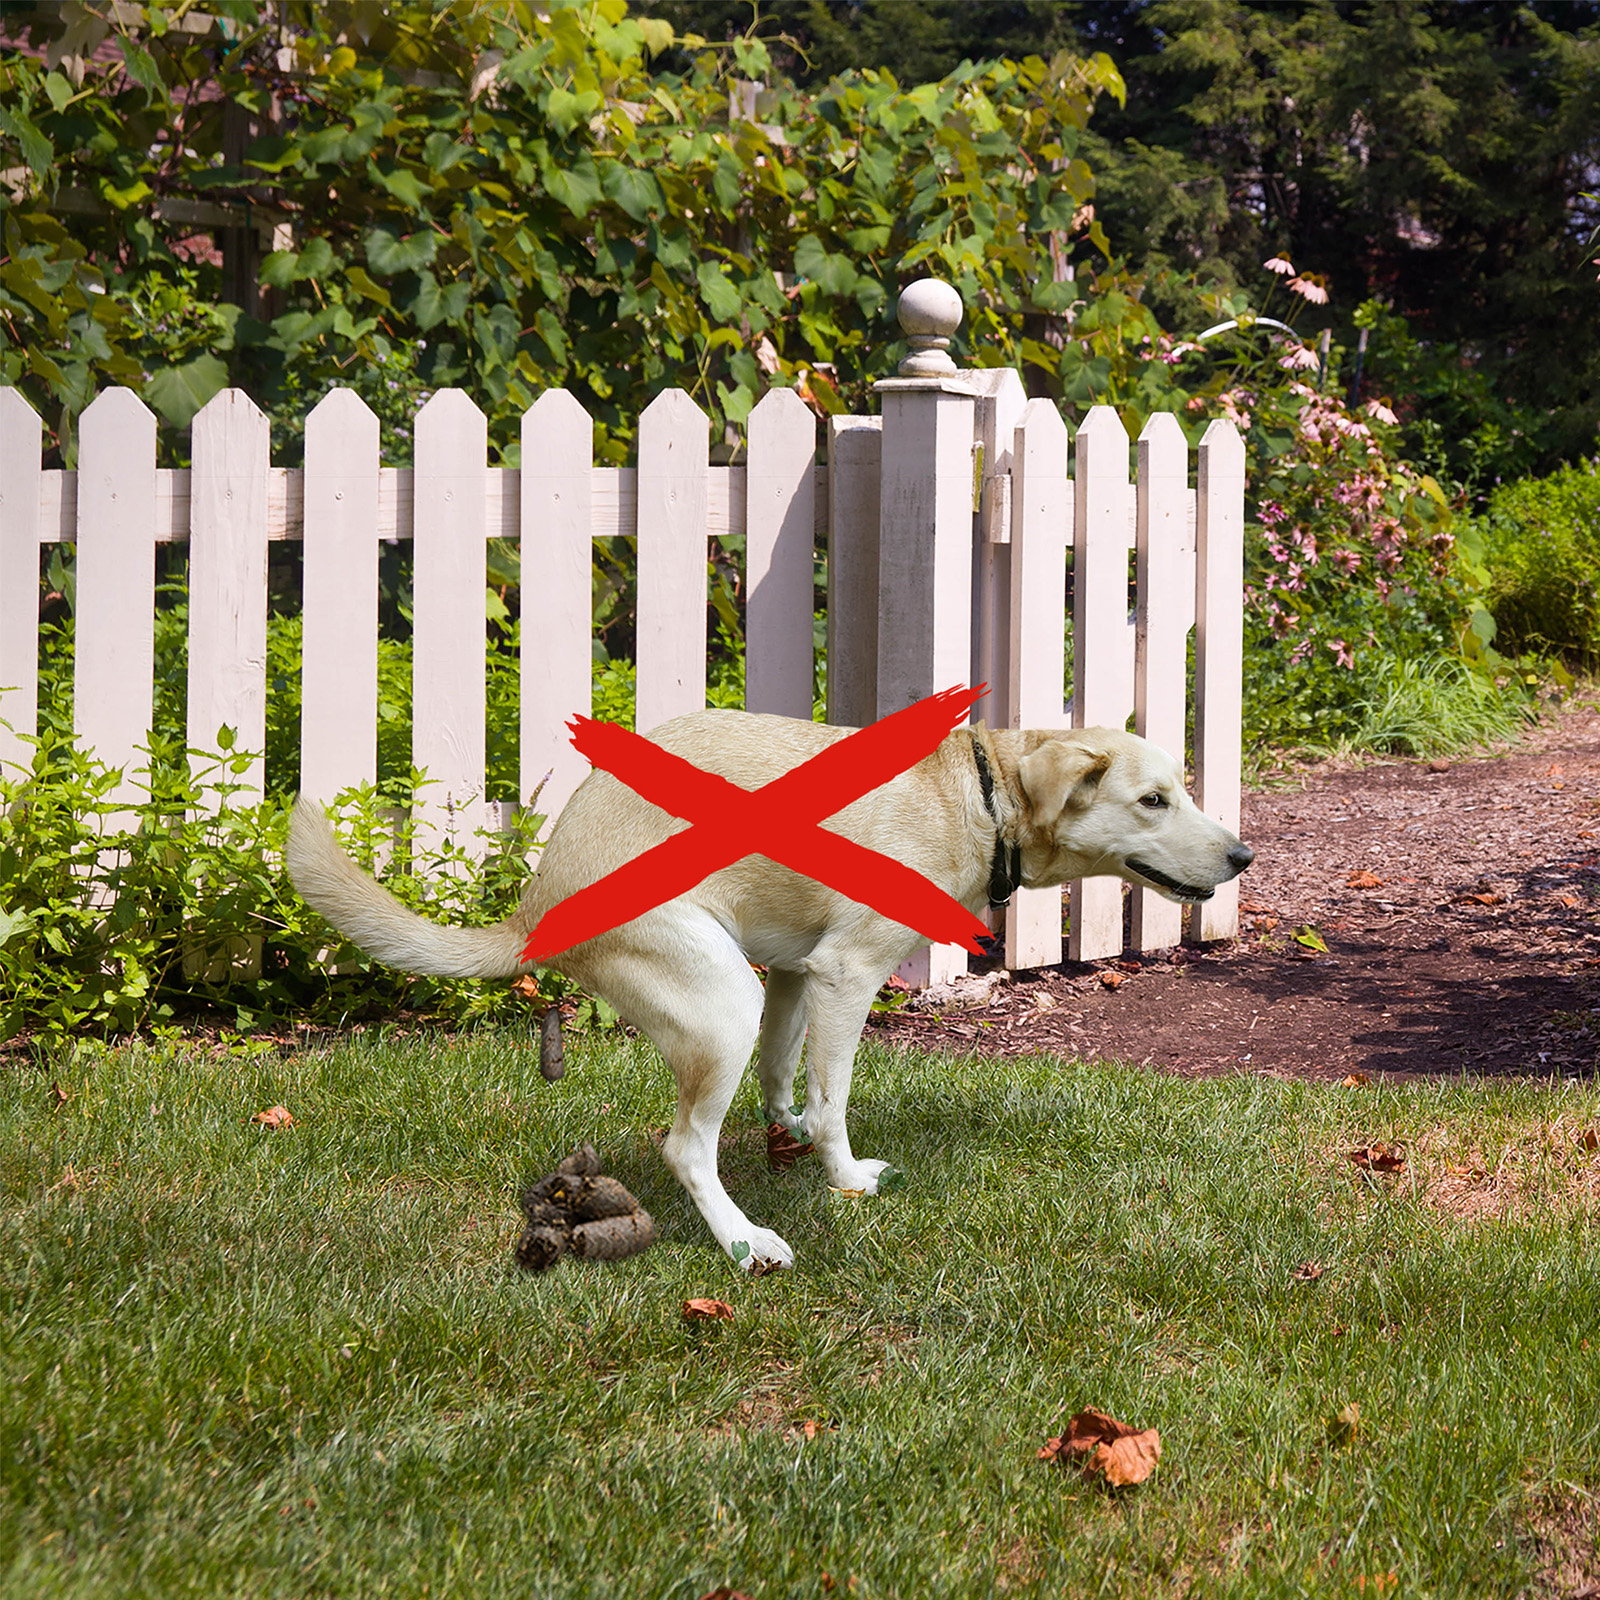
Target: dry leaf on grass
x=274, y=1117
x=783, y=1149
x=527, y=987
x=1344, y=1425
x=701, y=1310
x=58, y=1096
x=1364, y=880
x=1588, y=1140
x=725, y=1593
x=1099, y=1443
x=1354, y=1080
x=1308, y=1272
x=1378, y=1157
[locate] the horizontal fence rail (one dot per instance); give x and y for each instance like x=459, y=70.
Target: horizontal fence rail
x=894, y=508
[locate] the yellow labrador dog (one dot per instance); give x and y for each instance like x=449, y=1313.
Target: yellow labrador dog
x=987, y=811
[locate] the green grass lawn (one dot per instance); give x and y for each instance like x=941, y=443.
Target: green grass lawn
x=243, y=1362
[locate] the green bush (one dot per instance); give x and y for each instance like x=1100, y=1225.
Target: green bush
x=1540, y=540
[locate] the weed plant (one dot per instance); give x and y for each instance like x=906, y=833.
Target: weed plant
x=242, y=1361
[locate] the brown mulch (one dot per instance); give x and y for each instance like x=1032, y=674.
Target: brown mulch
x=1468, y=942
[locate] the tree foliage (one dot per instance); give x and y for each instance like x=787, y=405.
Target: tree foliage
x=507, y=198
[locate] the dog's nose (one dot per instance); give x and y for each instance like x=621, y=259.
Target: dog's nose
x=1240, y=857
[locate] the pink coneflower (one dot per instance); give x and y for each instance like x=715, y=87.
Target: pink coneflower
x=1285, y=268
x=1301, y=356
x=1381, y=413
x=1311, y=288
x=1341, y=652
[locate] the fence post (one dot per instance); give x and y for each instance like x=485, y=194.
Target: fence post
x=19, y=582
x=855, y=460
x=1101, y=686
x=113, y=684
x=673, y=502
x=925, y=534
x=231, y=444
x=1219, y=655
x=448, y=627
x=1165, y=557
x=557, y=665
x=1041, y=520
x=339, y=608
x=780, y=528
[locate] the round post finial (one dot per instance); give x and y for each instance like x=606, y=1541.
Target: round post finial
x=929, y=312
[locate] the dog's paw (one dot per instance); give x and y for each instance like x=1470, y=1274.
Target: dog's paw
x=762, y=1251
x=867, y=1177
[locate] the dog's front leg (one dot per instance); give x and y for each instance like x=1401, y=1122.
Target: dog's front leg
x=839, y=993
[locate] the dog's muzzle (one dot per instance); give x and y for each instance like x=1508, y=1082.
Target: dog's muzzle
x=1239, y=857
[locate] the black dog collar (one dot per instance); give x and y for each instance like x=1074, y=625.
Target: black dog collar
x=1005, y=871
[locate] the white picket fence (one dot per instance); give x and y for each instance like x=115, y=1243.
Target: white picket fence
x=947, y=521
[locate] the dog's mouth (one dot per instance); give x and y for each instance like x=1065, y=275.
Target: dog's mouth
x=1187, y=893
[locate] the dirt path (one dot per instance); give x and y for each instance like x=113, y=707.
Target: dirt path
x=1473, y=946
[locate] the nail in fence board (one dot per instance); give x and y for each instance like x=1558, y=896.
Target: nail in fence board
x=557, y=596
x=448, y=649
x=671, y=633
x=339, y=630
x=780, y=522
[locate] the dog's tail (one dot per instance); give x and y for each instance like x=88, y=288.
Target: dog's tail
x=369, y=916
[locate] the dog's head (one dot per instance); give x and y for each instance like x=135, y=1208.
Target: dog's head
x=1096, y=801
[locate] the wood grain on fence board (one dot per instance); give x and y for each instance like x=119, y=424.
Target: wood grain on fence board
x=114, y=612
x=1219, y=654
x=230, y=440
x=1101, y=691
x=1165, y=586
x=855, y=456
x=339, y=637
x=448, y=647
x=925, y=568
x=780, y=580
x=19, y=581
x=1041, y=525
x=671, y=634
x=1001, y=399
x=557, y=491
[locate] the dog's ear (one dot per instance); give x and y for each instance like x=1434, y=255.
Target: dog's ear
x=1061, y=775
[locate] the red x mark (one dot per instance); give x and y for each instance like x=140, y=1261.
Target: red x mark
x=778, y=821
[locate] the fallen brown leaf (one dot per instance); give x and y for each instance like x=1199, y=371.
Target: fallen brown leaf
x=1113, y=980
x=1344, y=1425
x=527, y=987
x=1099, y=1443
x=1378, y=1157
x=1589, y=1140
x=1478, y=900
x=274, y=1117
x=58, y=1095
x=1308, y=1272
x=1364, y=880
x=705, y=1310
x=1354, y=1080
x=725, y=1593
x=1569, y=901
x=1254, y=908
x=783, y=1149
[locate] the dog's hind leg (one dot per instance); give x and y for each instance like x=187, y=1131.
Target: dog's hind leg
x=678, y=976
x=839, y=993
x=783, y=1031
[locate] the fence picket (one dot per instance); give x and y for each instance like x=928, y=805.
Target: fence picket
x=1101, y=686
x=557, y=560
x=1001, y=402
x=231, y=446
x=20, y=518
x=339, y=630
x=780, y=520
x=1219, y=655
x=1165, y=614
x=114, y=613
x=1041, y=521
x=855, y=458
x=671, y=632
x=448, y=629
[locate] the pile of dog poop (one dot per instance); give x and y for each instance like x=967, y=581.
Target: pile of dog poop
x=577, y=1211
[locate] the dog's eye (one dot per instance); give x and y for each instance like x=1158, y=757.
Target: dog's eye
x=1154, y=800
